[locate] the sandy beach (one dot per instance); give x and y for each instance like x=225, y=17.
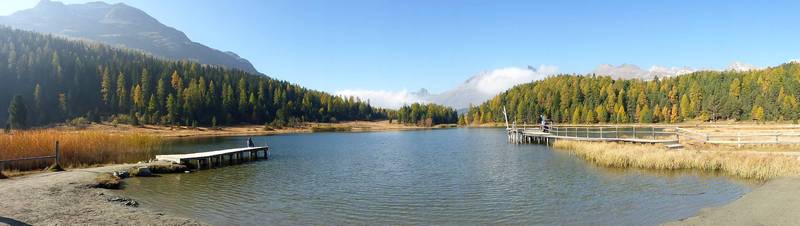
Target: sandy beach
x=66, y=198
x=775, y=203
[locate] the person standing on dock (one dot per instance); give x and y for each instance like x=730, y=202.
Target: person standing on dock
x=544, y=123
x=250, y=142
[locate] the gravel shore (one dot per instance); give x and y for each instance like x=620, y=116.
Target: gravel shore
x=775, y=203
x=66, y=198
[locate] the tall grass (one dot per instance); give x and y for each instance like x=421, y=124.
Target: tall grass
x=743, y=165
x=78, y=148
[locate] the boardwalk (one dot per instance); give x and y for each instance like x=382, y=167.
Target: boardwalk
x=633, y=134
x=213, y=159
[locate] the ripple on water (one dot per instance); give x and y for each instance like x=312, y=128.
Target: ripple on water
x=451, y=176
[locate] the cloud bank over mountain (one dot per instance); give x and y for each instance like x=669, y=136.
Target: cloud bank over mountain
x=485, y=85
x=474, y=90
x=631, y=71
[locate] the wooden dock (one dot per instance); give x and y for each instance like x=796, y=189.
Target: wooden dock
x=212, y=159
x=643, y=135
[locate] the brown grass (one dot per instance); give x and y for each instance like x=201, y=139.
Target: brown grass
x=107, y=181
x=743, y=165
x=78, y=148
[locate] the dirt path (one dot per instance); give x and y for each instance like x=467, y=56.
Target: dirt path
x=775, y=203
x=63, y=198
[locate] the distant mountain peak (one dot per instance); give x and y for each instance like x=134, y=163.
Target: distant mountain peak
x=121, y=25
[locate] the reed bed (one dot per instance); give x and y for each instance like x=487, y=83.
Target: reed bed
x=743, y=165
x=78, y=148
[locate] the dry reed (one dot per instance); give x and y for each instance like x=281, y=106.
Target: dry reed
x=78, y=148
x=743, y=165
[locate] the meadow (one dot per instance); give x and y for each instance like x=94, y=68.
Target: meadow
x=78, y=148
x=742, y=164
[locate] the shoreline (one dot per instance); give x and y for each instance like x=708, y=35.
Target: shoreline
x=64, y=198
x=243, y=130
x=774, y=203
x=67, y=198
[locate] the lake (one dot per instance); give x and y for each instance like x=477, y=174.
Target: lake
x=445, y=176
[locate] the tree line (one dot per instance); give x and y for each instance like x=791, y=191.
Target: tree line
x=769, y=94
x=425, y=114
x=46, y=79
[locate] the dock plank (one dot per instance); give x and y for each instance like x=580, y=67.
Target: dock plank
x=180, y=158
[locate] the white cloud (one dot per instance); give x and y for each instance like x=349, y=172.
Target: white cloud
x=485, y=85
x=629, y=71
x=739, y=66
x=383, y=98
x=475, y=90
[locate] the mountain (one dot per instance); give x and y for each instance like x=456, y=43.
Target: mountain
x=123, y=26
x=57, y=79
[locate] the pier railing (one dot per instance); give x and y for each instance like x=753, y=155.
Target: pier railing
x=625, y=133
x=603, y=132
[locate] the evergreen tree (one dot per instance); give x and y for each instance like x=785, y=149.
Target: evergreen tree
x=17, y=113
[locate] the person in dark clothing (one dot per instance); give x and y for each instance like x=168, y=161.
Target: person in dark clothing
x=250, y=142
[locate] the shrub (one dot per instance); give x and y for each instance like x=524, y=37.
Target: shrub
x=79, y=123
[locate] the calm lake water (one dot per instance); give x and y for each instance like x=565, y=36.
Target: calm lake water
x=449, y=176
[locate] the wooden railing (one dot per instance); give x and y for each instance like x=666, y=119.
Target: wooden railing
x=56, y=157
x=743, y=138
x=602, y=132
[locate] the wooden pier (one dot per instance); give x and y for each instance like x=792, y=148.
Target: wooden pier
x=547, y=135
x=212, y=159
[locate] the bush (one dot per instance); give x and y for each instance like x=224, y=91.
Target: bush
x=331, y=129
x=79, y=122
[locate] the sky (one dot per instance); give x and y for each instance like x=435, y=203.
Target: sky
x=413, y=44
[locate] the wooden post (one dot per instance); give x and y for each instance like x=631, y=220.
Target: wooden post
x=601, y=133
x=587, y=132
x=776, y=138
x=58, y=155
x=654, y=132
x=738, y=140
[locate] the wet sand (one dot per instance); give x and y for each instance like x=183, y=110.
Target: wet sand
x=775, y=203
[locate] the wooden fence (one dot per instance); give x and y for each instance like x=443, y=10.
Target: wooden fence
x=743, y=138
x=56, y=157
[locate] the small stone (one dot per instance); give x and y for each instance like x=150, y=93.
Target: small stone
x=143, y=172
x=122, y=174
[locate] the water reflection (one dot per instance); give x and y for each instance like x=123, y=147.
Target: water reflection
x=453, y=176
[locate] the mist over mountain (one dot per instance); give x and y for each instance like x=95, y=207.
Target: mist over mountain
x=475, y=90
x=123, y=26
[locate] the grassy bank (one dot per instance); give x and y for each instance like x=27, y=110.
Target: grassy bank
x=78, y=148
x=331, y=129
x=743, y=165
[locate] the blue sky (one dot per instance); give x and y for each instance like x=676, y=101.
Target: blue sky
x=397, y=45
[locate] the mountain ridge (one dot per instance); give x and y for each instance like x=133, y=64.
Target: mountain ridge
x=121, y=25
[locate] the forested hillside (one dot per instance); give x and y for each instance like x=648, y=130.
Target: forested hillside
x=57, y=79
x=425, y=114
x=762, y=95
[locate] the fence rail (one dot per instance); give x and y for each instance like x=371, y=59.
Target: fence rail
x=56, y=157
x=743, y=138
